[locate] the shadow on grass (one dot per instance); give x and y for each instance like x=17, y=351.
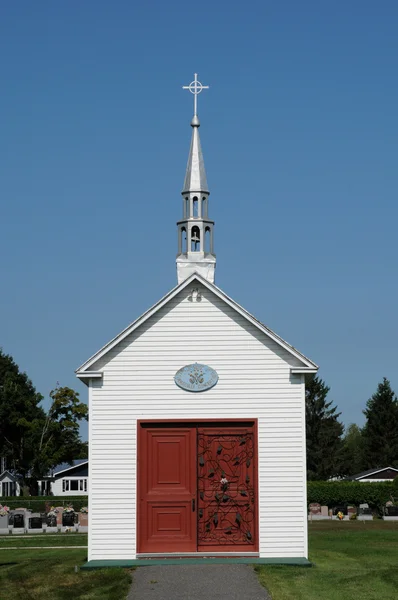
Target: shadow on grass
x=54, y=577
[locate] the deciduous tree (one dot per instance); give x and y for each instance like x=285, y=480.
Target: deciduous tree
x=20, y=411
x=57, y=435
x=32, y=440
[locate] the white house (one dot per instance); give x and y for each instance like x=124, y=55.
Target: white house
x=378, y=474
x=66, y=480
x=197, y=420
x=9, y=485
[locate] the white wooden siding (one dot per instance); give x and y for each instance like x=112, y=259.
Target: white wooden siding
x=254, y=383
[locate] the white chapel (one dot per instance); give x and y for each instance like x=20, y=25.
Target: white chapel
x=197, y=419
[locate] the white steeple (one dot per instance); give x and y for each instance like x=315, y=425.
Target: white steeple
x=195, y=230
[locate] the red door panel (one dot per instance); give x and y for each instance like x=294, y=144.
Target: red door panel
x=226, y=490
x=167, y=485
x=197, y=488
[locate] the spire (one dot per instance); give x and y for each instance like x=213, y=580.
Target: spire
x=195, y=176
x=195, y=230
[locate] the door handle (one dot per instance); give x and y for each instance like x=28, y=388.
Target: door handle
x=193, y=504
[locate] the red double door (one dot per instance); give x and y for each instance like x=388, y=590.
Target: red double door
x=197, y=488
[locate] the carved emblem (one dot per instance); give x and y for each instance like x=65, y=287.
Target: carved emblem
x=196, y=378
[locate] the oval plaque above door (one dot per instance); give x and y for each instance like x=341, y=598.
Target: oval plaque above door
x=196, y=378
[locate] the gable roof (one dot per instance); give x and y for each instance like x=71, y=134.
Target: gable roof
x=8, y=474
x=373, y=471
x=65, y=467
x=83, y=372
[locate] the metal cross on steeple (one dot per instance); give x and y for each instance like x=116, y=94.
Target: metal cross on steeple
x=195, y=87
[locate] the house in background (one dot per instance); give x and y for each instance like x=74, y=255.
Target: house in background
x=66, y=480
x=384, y=474
x=9, y=485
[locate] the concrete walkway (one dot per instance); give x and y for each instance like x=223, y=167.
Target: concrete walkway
x=196, y=582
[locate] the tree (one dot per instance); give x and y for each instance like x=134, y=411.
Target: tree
x=57, y=437
x=323, y=432
x=353, y=451
x=34, y=441
x=381, y=428
x=19, y=412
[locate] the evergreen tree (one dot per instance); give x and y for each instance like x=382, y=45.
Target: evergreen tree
x=353, y=460
x=381, y=428
x=323, y=432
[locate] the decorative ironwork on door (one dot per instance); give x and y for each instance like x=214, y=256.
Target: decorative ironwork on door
x=226, y=496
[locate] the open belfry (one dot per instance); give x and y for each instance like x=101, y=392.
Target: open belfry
x=197, y=418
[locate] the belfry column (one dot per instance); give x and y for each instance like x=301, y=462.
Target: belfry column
x=195, y=230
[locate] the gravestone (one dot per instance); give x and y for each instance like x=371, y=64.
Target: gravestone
x=315, y=508
x=35, y=523
x=364, y=512
x=68, y=519
x=83, y=519
x=19, y=522
x=392, y=511
x=51, y=521
x=324, y=511
x=351, y=510
x=51, y=525
x=60, y=510
x=83, y=522
x=4, y=521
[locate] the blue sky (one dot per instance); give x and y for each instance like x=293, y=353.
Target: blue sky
x=299, y=133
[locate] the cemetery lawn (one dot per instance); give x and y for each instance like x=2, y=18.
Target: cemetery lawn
x=352, y=561
x=42, y=540
x=49, y=573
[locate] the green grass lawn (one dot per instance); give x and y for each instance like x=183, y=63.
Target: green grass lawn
x=50, y=574
x=353, y=561
x=42, y=540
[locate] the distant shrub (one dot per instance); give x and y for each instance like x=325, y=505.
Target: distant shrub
x=332, y=493
x=39, y=503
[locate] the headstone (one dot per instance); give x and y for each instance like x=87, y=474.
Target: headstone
x=364, y=509
x=51, y=521
x=35, y=523
x=68, y=519
x=315, y=508
x=19, y=522
x=351, y=510
x=4, y=524
x=51, y=525
x=83, y=522
x=364, y=512
x=392, y=511
x=324, y=511
x=60, y=510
